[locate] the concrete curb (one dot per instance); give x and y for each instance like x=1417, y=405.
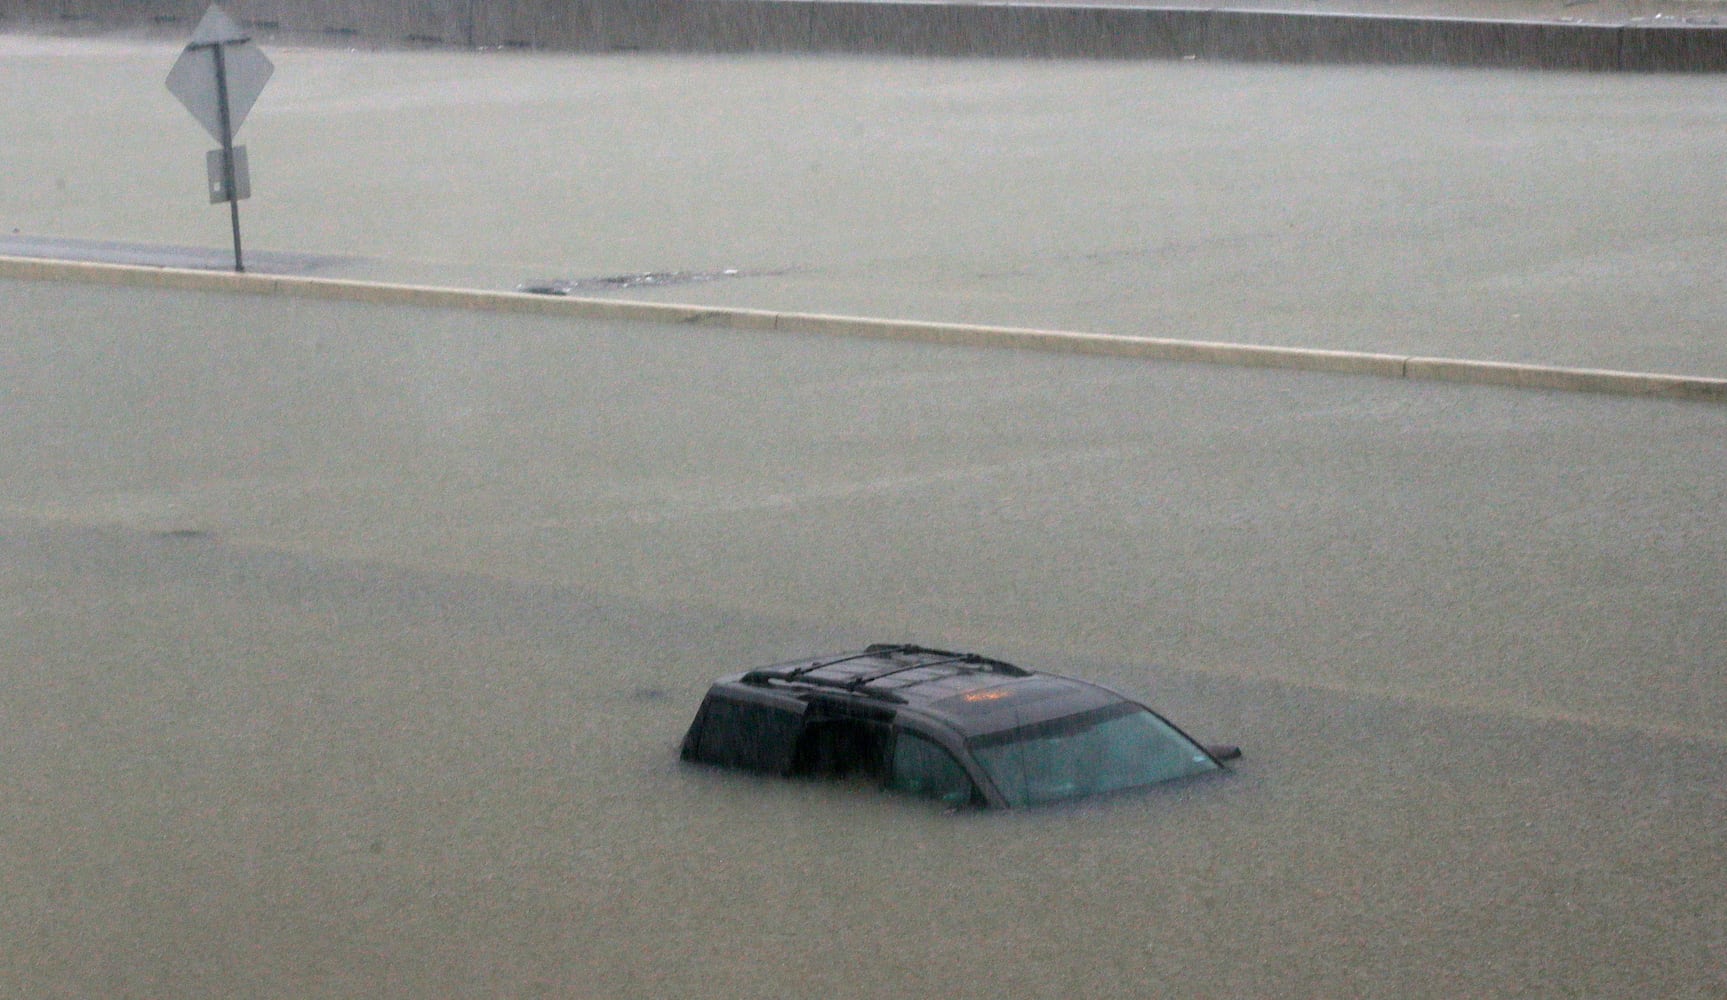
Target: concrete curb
x=1521, y=376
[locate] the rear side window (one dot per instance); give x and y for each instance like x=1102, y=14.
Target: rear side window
x=922, y=768
x=752, y=737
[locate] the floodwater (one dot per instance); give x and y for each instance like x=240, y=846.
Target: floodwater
x=1555, y=218
x=347, y=650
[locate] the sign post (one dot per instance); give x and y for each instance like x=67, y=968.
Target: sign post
x=218, y=78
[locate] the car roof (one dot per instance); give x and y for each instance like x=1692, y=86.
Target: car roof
x=971, y=693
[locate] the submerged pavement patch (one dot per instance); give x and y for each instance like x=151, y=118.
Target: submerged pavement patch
x=1525, y=376
x=154, y=255
x=638, y=279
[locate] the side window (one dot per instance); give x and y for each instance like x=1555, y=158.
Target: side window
x=749, y=736
x=922, y=768
x=841, y=748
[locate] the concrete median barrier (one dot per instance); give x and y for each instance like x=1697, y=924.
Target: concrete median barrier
x=1656, y=46
x=655, y=26
x=899, y=27
x=1024, y=30
x=1252, y=36
x=956, y=334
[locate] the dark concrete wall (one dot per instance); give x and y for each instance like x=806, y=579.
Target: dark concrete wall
x=915, y=28
x=1323, y=38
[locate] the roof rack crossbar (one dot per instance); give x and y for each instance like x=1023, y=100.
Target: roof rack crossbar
x=860, y=684
x=839, y=685
x=988, y=663
x=863, y=680
x=792, y=675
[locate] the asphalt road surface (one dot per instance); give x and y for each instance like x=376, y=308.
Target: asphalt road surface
x=346, y=652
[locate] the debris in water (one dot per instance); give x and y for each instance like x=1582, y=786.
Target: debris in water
x=640, y=279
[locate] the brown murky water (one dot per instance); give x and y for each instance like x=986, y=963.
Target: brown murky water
x=346, y=649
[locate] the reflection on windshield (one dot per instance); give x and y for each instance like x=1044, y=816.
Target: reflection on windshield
x=1121, y=746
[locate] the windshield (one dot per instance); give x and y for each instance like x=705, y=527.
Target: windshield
x=1105, y=750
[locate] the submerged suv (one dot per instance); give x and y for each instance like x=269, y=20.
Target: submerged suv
x=960, y=728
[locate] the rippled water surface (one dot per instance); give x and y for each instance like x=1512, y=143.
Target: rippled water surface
x=346, y=652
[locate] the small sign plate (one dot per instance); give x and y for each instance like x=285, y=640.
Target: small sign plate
x=219, y=180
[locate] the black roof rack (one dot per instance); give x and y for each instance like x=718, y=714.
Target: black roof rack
x=821, y=664
x=948, y=656
x=860, y=684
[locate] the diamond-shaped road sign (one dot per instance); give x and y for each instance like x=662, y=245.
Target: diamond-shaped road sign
x=193, y=78
x=218, y=77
